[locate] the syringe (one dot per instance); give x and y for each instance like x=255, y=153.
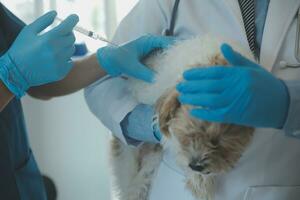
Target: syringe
x=90, y=34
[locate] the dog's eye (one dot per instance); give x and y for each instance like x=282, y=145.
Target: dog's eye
x=215, y=142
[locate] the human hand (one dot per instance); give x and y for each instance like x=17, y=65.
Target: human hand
x=244, y=94
x=126, y=59
x=37, y=58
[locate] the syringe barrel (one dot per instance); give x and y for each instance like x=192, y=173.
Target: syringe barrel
x=85, y=32
x=82, y=30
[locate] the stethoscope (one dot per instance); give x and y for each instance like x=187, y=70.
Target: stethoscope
x=283, y=64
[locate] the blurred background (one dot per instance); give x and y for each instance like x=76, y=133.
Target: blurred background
x=69, y=143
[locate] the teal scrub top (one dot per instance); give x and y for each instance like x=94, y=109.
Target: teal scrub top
x=19, y=174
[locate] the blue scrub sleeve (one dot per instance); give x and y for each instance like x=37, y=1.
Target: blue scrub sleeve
x=11, y=24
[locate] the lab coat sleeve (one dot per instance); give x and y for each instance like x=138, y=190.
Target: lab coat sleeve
x=292, y=125
x=109, y=98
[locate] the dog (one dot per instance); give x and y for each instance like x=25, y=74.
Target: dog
x=203, y=149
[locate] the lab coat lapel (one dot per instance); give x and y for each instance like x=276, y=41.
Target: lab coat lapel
x=279, y=18
x=234, y=7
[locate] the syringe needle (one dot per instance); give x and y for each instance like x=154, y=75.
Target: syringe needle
x=90, y=34
x=105, y=40
x=94, y=35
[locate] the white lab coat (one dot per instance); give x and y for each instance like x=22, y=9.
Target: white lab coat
x=270, y=168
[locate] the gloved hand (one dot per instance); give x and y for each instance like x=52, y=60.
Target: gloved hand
x=139, y=124
x=37, y=58
x=244, y=94
x=126, y=59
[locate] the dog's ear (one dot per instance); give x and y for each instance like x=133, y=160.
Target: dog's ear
x=166, y=107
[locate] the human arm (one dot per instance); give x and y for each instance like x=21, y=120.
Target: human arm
x=114, y=61
x=84, y=72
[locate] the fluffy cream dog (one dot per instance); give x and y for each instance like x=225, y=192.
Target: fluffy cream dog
x=203, y=150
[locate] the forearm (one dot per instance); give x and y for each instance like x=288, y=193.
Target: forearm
x=5, y=96
x=84, y=72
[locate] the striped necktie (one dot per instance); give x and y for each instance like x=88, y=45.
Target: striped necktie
x=248, y=13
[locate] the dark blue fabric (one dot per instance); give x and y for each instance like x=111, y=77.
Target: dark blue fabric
x=19, y=175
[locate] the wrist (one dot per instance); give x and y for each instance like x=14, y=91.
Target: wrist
x=11, y=76
x=103, y=55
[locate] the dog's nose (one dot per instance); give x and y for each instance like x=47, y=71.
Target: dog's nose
x=196, y=166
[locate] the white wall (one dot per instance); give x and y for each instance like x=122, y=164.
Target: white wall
x=70, y=146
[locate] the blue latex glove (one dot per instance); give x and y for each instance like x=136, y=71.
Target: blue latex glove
x=37, y=58
x=126, y=58
x=139, y=124
x=244, y=94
